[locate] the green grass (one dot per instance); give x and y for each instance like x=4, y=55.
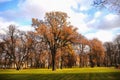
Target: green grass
x=64, y=74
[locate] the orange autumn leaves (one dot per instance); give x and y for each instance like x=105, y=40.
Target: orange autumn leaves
x=55, y=28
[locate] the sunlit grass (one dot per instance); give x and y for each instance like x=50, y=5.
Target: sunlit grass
x=66, y=70
x=97, y=73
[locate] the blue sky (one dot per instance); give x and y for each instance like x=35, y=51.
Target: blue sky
x=90, y=21
x=6, y=4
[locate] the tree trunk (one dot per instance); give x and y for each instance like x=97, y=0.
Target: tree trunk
x=91, y=61
x=49, y=61
x=53, y=52
x=80, y=62
x=17, y=66
x=61, y=63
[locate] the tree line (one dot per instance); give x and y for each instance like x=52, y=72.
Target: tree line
x=55, y=43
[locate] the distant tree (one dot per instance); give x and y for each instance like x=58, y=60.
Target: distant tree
x=10, y=44
x=31, y=43
x=82, y=44
x=97, y=53
x=112, y=52
x=2, y=48
x=56, y=31
x=117, y=50
x=109, y=53
x=16, y=47
x=69, y=56
x=36, y=49
x=23, y=46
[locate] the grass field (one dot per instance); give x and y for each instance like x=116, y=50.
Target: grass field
x=64, y=74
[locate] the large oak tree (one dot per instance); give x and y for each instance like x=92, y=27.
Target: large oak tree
x=57, y=32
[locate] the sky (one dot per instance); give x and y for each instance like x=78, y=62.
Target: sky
x=91, y=22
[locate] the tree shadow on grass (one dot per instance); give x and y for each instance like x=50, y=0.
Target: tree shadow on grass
x=63, y=76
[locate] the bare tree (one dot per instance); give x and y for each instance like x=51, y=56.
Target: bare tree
x=109, y=53
x=2, y=48
x=83, y=53
x=117, y=50
x=10, y=44
x=113, y=5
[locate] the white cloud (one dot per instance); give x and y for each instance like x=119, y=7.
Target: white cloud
x=85, y=4
x=101, y=35
x=25, y=28
x=28, y=9
x=101, y=21
x=111, y=17
x=106, y=25
x=31, y=8
x=37, y=9
x=4, y=26
x=110, y=21
x=97, y=14
x=77, y=19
